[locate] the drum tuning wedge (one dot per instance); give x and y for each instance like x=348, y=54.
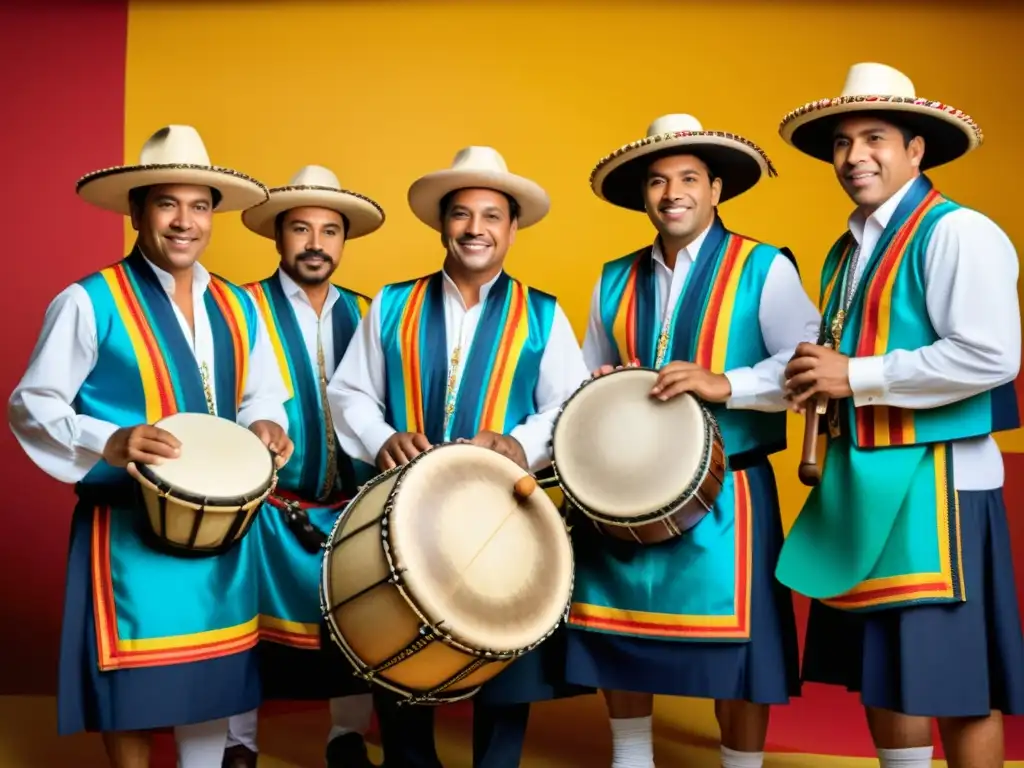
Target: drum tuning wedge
x=525, y=486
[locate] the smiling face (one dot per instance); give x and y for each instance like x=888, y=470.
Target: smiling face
x=310, y=241
x=680, y=196
x=174, y=222
x=873, y=159
x=479, y=226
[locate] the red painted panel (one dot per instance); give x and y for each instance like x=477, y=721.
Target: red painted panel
x=1018, y=386
x=62, y=98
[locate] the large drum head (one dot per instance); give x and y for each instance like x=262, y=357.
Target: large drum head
x=622, y=454
x=493, y=571
x=221, y=463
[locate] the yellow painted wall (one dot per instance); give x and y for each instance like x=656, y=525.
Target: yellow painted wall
x=385, y=91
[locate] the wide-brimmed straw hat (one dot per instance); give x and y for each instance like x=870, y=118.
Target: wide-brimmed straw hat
x=948, y=133
x=317, y=187
x=477, y=168
x=174, y=154
x=618, y=178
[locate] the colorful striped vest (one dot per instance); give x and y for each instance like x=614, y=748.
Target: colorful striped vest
x=501, y=368
x=306, y=471
x=715, y=324
x=889, y=312
x=145, y=370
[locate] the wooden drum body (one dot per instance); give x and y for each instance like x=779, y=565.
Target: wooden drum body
x=437, y=576
x=205, y=501
x=640, y=469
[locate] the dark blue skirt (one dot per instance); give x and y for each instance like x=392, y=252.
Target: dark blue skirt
x=537, y=676
x=939, y=660
x=290, y=673
x=501, y=711
x=142, y=698
x=764, y=670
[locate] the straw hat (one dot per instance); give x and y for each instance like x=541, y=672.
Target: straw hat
x=948, y=133
x=317, y=187
x=173, y=155
x=618, y=178
x=477, y=168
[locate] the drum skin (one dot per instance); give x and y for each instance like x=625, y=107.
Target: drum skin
x=205, y=501
x=640, y=469
x=439, y=573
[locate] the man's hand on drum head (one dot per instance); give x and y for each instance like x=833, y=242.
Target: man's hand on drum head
x=400, y=449
x=504, y=444
x=678, y=377
x=144, y=444
x=275, y=438
x=609, y=368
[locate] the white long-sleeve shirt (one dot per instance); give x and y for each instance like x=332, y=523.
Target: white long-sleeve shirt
x=786, y=313
x=357, y=389
x=309, y=322
x=971, y=296
x=66, y=444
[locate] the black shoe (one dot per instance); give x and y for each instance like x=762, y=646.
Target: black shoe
x=348, y=751
x=239, y=756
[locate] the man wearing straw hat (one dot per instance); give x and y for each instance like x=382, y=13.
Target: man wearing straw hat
x=310, y=322
x=903, y=545
x=701, y=615
x=477, y=206
x=151, y=640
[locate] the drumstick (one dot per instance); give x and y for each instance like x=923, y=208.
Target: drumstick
x=809, y=471
x=524, y=487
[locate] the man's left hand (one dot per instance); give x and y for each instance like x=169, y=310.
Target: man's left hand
x=815, y=370
x=678, y=377
x=275, y=438
x=503, y=444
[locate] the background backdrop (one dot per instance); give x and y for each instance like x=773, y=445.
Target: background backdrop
x=383, y=92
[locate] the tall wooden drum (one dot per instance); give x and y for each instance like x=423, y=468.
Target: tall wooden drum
x=441, y=573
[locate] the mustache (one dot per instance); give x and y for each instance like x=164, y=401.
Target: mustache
x=308, y=254
x=466, y=239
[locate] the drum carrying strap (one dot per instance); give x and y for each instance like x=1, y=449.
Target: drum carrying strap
x=311, y=538
x=108, y=494
x=340, y=474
